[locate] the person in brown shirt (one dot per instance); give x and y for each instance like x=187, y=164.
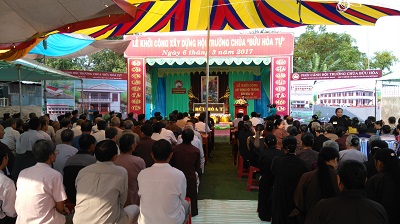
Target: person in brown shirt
x=279, y=132
x=143, y=148
x=186, y=158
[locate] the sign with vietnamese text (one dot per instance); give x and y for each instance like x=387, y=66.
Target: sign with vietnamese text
x=97, y=75
x=280, y=84
x=231, y=45
x=136, y=85
x=356, y=74
x=249, y=89
x=215, y=108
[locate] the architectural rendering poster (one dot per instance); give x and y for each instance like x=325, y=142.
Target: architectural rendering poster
x=322, y=97
x=104, y=90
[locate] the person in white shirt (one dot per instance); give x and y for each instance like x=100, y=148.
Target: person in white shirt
x=7, y=192
x=162, y=189
x=101, y=134
x=201, y=126
x=44, y=127
x=77, y=129
x=65, y=123
x=65, y=150
x=40, y=190
x=28, y=138
x=239, y=117
x=10, y=134
x=161, y=133
x=254, y=119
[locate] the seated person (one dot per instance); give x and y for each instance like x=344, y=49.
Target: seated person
x=102, y=189
x=84, y=157
x=162, y=189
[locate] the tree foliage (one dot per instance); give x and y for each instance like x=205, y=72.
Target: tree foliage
x=318, y=50
x=383, y=60
x=337, y=51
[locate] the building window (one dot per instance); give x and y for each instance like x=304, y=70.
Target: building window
x=115, y=97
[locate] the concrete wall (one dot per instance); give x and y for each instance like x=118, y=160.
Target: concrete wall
x=390, y=107
x=25, y=111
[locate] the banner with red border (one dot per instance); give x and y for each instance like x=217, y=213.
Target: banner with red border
x=221, y=45
x=280, y=84
x=354, y=74
x=136, y=85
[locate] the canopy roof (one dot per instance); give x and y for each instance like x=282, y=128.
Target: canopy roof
x=26, y=19
x=24, y=23
x=72, y=46
x=30, y=71
x=182, y=15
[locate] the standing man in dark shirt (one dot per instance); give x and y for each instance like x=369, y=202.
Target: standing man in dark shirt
x=350, y=206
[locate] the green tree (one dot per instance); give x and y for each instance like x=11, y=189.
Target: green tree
x=66, y=63
x=383, y=60
x=107, y=61
x=315, y=64
x=337, y=51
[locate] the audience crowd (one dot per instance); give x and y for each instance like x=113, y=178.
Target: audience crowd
x=105, y=169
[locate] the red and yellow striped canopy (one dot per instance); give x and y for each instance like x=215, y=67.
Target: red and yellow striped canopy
x=181, y=15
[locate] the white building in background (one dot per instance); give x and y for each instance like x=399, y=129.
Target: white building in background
x=301, y=95
x=350, y=96
x=57, y=109
x=103, y=97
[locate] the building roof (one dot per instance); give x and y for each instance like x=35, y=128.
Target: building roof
x=347, y=88
x=103, y=87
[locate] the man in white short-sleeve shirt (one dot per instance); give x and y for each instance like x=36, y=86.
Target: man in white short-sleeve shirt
x=7, y=192
x=162, y=189
x=40, y=190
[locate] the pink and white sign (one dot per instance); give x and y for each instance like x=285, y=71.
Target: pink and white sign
x=232, y=45
x=280, y=84
x=354, y=74
x=136, y=85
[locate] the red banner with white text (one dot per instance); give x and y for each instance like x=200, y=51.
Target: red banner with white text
x=221, y=45
x=249, y=89
x=136, y=85
x=280, y=84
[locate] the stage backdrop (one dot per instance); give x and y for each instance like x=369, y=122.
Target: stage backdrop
x=192, y=46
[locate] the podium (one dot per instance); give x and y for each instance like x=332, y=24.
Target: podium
x=240, y=108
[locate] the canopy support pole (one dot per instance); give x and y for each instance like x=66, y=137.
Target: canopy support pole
x=20, y=89
x=376, y=98
x=82, y=106
x=45, y=96
x=44, y=81
x=207, y=66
